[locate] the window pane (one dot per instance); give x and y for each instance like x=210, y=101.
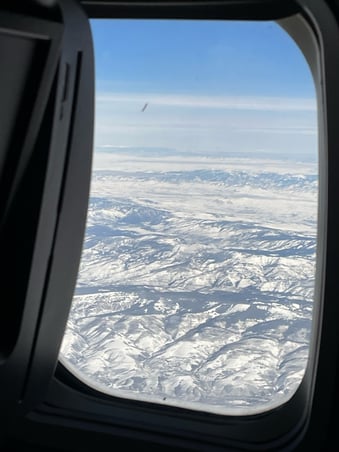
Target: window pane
x=197, y=275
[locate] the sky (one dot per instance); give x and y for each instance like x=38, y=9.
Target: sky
x=210, y=87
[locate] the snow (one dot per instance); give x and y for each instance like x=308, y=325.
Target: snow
x=196, y=282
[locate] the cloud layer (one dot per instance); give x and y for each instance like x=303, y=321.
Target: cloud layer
x=246, y=103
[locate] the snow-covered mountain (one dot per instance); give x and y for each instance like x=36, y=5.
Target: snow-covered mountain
x=196, y=282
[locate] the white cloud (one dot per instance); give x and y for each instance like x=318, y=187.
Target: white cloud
x=243, y=103
x=206, y=123
x=281, y=130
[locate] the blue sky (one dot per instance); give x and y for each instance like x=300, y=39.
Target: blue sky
x=210, y=86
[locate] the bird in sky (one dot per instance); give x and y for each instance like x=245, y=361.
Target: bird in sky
x=144, y=107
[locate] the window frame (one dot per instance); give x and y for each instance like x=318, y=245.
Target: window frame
x=82, y=417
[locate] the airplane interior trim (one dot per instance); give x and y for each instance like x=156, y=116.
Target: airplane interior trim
x=47, y=92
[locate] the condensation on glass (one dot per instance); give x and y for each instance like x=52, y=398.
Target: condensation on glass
x=197, y=275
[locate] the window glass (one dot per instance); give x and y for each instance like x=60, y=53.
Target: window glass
x=196, y=281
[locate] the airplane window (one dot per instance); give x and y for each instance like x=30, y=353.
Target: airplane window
x=196, y=282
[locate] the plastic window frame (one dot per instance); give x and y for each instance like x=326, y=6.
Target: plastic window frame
x=71, y=405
